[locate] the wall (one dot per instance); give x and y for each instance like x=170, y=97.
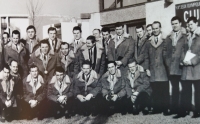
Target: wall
x=160, y=11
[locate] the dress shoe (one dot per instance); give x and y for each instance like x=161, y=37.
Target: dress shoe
x=195, y=115
x=179, y=115
x=67, y=116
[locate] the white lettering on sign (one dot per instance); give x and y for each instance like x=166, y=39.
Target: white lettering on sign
x=190, y=13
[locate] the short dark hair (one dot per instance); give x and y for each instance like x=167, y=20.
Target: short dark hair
x=64, y=43
x=139, y=26
x=131, y=61
x=92, y=38
x=97, y=30
x=16, y=32
x=86, y=62
x=176, y=18
x=77, y=28
x=31, y=27
x=109, y=62
x=6, y=34
x=157, y=22
x=45, y=41
x=119, y=24
x=6, y=66
x=59, y=69
x=192, y=18
x=12, y=60
x=52, y=29
x=33, y=66
x=149, y=25
x=105, y=29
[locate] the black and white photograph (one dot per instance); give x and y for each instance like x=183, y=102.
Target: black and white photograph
x=100, y=61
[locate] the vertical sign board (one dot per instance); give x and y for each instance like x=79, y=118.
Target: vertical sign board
x=186, y=10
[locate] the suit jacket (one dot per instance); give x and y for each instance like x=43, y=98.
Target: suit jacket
x=119, y=86
x=154, y=59
x=86, y=87
x=99, y=58
x=4, y=95
x=19, y=85
x=53, y=61
x=70, y=65
x=139, y=54
x=192, y=72
x=138, y=84
x=54, y=89
x=20, y=56
x=28, y=89
x=173, y=53
x=122, y=50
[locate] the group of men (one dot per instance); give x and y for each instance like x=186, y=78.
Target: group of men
x=104, y=74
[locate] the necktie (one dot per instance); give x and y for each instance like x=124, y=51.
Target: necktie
x=119, y=37
x=65, y=57
x=31, y=46
x=77, y=42
x=8, y=87
x=90, y=54
x=176, y=34
x=16, y=47
x=60, y=85
x=132, y=75
x=45, y=58
x=35, y=82
x=156, y=40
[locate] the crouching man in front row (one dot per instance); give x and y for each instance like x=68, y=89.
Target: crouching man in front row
x=7, y=95
x=113, y=89
x=34, y=94
x=86, y=89
x=60, y=93
x=138, y=90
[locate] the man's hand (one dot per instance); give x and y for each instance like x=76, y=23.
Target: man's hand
x=133, y=98
x=148, y=72
x=33, y=103
x=89, y=96
x=119, y=63
x=107, y=98
x=81, y=98
x=114, y=98
x=8, y=103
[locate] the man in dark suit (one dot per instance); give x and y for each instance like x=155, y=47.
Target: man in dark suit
x=53, y=40
x=45, y=59
x=7, y=95
x=60, y=93
x=175, y=42
x=17, y=51
x=154, y=59
x=113, y=89
x=191, y=71
x=86, y=89
x=93, y=52
x=138, y=89
x=121, y=49
x=34, y=93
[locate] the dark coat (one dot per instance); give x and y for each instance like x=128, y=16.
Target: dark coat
x=3, y=94
x=28, y=89
x=119, y=87
x=192, y=72
x=124, y=51
x=12, y=53
x=139, y=54
x=99, y=65
x=54, y=90
x=173, y=53
x=140, y=84
x=19, y=84
x=53, y=61
x=154, y=59
x=93, y=86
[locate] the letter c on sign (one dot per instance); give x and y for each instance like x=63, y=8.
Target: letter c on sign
x=185, y=14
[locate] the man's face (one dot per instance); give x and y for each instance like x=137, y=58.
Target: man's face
x=14, y=67
x=89, y=44
x=176, y=25
x=15, y=38
x=96, y=33
x=187, y=28
x=59, y=76
x=119, y=30
x=111, y=68
x=52, y=34
x=77, y=34
x=156, y=29
x=106, y=35
x=132, y=67
x=44, y=48
x=149, y=30
x=64, y=49
x=192, y=26
x=5, y=38
x=31, y=33
x=86, y=69
x=140, y=32
x=6, y=74
x=34, y=72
